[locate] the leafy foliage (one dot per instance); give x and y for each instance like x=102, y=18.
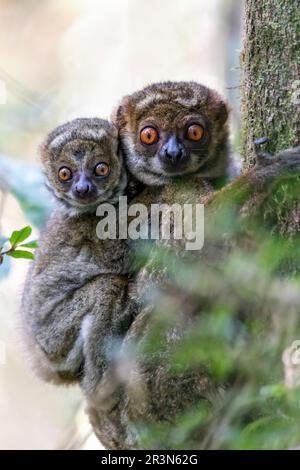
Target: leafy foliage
x=19, y=236
x=245, y=325
x=33, y=200
x=16, y=247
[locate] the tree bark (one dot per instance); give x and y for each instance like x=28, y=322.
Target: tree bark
x=271, y=76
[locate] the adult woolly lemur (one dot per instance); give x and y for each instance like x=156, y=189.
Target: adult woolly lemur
x=170, y=129
x=174, y=136
x=175, y=139
x=75, y=297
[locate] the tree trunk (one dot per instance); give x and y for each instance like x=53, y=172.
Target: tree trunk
x=271, y=75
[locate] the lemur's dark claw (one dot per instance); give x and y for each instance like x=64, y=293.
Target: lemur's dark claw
x=262, y=158
x=261, y=141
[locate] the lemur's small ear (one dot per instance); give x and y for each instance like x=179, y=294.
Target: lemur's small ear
x=120, y=113
x=44, y=152
x=223, y=112
x=219, y=106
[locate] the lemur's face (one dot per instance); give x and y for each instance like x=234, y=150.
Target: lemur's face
x=173, y=129
x=82, y=162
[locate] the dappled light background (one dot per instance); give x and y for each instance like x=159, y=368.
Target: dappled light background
x=76, y=58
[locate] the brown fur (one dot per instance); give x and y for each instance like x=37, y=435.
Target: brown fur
x=170, y=106
x=75, y=298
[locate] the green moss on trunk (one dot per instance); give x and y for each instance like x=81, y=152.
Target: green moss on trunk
x=271, y=75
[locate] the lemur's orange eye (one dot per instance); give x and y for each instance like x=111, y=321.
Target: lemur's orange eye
x=64, y=174
x=149, y=135
x=102, y=169
x=195, y=132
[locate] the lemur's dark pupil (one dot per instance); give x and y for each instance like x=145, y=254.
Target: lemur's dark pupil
x=102, y=169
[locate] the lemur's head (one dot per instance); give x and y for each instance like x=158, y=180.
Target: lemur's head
x=173, y=128
x=82, y=163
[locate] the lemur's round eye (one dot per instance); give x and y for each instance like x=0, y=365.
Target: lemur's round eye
x=102, y=169
x=195, y=132
x=149, y=135
x=64, y=174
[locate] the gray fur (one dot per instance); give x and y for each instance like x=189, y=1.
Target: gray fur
x=76, y=276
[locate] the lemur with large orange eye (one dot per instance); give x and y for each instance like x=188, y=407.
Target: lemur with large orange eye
x=74, y=307
x=174, y=129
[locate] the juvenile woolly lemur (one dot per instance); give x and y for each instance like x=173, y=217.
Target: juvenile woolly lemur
x=175, y=140
x=75, y=297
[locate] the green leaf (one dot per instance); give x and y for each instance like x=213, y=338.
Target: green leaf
x=33, y=244
x=18, y=236
x=21, y=254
